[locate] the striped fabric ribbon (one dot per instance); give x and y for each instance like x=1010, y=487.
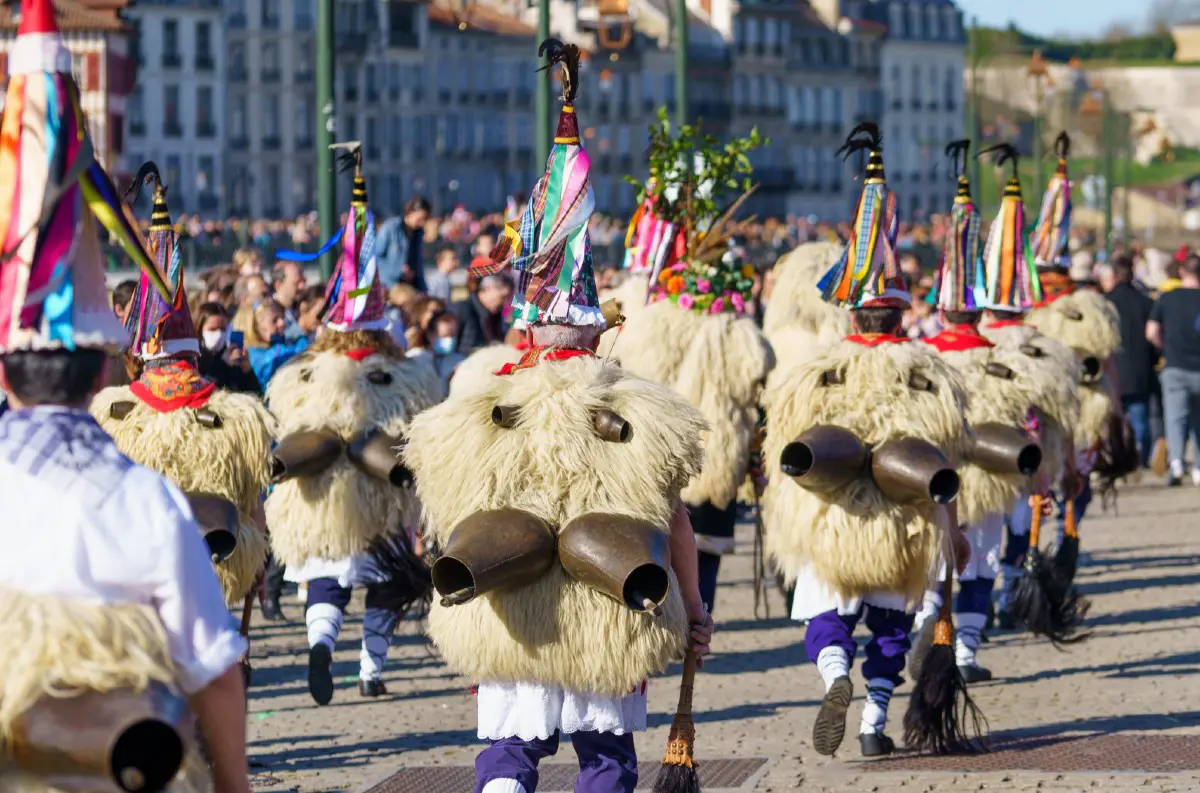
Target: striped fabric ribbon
x=869, y=261
x=1010, y=276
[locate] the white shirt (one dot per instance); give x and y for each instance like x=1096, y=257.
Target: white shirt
x=80, y=520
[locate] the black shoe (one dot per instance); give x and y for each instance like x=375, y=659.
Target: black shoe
x=830, y=726
x=974, y=674
x=1005, y=620
x=372, y=688
x=1174, y=481
x=320, y=674
x=875, y=744
x=271, y=610
x=983, y=637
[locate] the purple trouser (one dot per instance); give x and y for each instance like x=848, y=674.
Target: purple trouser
x=886, y=650
x=607, y=762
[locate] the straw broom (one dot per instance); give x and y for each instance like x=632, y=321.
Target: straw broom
x=1048, y=605
x=941, y=716
x=678, y=771
x=1066, y=558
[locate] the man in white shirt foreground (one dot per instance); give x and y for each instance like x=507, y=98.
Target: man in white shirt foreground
x=83, y=522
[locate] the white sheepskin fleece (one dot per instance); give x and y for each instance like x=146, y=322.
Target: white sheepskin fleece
x=721, y=373
x=991, y=399
x=232, y=461
x=342, y=510
x=556, y=631
x=1095, y=407
x=476, y=371
x=1054, y=376
x=1096, y=332
x=855, y=539
x=795, y=299
x=631, y=294
x=653, y=342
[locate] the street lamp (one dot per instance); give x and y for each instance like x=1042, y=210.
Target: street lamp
x=1098, y=103
x=1039, y=74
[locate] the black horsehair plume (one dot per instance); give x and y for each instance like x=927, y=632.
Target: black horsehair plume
x=147, y=174
x=349, y=155
x=865, y=136
x=1062, y=145
x=568, y=56
x=957, y=152
x=1005, y=152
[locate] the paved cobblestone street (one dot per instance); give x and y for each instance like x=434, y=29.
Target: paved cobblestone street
x=1120, y=711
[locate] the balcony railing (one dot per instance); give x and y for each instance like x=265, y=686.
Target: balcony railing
x=270, y=143
x=271, y=76
x=172, y=60
x=206, y=129
x=205, y=63
x=172, y=129
x=137, y=128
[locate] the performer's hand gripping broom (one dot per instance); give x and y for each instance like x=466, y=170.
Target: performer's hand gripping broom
x=678, y=771
x=942, y=718
x=1047, y=604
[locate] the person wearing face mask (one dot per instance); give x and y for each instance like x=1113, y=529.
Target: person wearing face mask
x=263, y=327
x=439, y=340
x=224, y=364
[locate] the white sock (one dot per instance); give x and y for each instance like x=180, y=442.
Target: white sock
x=832, y=663
x=929, y=608
x=324, y=621
x=966, y=640
x=378, y=626
x=503, y=786
x=874, y=715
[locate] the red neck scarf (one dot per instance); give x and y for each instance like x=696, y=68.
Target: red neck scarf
x=535, y=355
x=173, y=386
x=876, y=339
x=958, y=338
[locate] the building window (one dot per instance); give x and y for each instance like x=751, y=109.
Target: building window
x=171, y=126
x=205, y=128
x=914, y=17
x=305, y=120
x=205, y=177
x=751, y=31
x=270, y=112
x=372, y=140
x=270, y=62
x=350, y=84
x=204, y=56
x=917, y=89
x=136, y=112
x=935, y=27
x=271, y=194
x=372, y=87
x=896, y=14
x=270, y=14
x=237, y=118
x=953, y=84
x=302, y=14
x=173, y=174
x=237, y=61
x=170, y=44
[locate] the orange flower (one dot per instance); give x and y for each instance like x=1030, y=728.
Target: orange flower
x=664, y=275
x=747, y=271
x=675, y=285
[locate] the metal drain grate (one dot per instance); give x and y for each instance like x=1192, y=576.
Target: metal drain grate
x=715, y=775
x=1151, y=753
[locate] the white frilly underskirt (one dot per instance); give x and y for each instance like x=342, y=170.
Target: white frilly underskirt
x=533, y=711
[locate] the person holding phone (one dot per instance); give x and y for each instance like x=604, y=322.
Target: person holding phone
x=223, y=357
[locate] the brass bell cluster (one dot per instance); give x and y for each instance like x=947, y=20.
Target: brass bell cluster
x=621, y=557
x=826, y=458
x=120, y=741
x=311, y=452
x=218, y=520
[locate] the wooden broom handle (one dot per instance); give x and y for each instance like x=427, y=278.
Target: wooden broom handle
x=685, y=685
x=1035, y=524
x=247, y=612
x=1070, y=528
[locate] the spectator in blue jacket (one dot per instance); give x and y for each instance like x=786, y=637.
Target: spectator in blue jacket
x=262, y=326
x=399, y=246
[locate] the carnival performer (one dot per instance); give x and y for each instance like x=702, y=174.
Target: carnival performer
x=1087, y=323
x=107, y=591
x=342, y=511
x=1003, y=451
x=862, y=540
x=215, y=445
x=695, y=338
x=1053, y=374
x=566, y=566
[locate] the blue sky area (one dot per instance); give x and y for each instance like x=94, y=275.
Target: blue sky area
x=1047, y=17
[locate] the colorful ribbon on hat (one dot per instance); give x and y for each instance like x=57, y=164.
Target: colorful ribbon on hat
x=1051, y=235
x=1010, y=276
x=868, y=266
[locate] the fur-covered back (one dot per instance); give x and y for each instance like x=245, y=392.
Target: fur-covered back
x=1054, y=376
x=342, y=510
x=653, y=342
x=855, y=539
x=795, y=299
x=631, y=294
x=721, y=372
x=991, y=399
x=552, y=464
x=480, y=366
x=232, y=461
x=1095, y=407
x=63, y=646
x=1093, y=332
